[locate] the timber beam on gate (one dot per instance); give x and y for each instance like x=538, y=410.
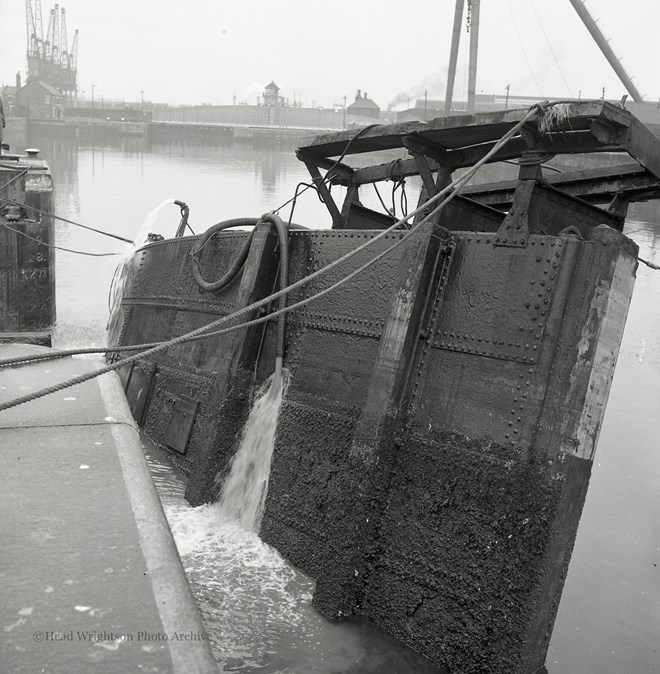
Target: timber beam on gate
x=466, y=130
x=596, y=186
x=417, y=144
x=442, y=145
x=341, y=174
x=581, y=142
x=324, y=192
x=460, y=141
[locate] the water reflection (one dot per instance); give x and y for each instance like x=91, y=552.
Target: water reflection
x=609, y=614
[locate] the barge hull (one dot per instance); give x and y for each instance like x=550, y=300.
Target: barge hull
x=436, y=440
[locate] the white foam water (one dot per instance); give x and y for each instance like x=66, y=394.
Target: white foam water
x=223, y=554
x=249, y=597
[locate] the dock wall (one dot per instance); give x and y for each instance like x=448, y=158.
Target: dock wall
x=91, y=577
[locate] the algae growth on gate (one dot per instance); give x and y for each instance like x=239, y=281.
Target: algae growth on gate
x=436, y=439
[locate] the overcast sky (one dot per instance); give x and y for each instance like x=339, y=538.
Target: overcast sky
x=194, y=51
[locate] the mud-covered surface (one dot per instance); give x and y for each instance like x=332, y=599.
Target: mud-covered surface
x=444, y=547
x=167, y=385
x=222, y=432
x=463, y=546
x=313, y=509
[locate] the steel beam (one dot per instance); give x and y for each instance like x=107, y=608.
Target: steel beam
x=608, y=52
x=453, y=53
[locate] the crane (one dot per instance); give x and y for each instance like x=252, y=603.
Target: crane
x=49, y=59
x=64, y=55
x=36, y=47
x=473, y=27
x=607, y=50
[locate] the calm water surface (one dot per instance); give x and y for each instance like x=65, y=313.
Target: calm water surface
x=256, y=607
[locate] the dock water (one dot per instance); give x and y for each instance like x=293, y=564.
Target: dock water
x=90, y=578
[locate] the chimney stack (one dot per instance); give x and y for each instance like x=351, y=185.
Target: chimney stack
x=18, y=81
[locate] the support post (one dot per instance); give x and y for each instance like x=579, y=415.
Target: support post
x=453, y=54
x=337, y=220
x=474, y=50
x=342, y=590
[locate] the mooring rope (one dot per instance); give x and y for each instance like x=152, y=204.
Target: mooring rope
x=51, y=245
x=59, y=217
x=651, y=265
x=452, y=190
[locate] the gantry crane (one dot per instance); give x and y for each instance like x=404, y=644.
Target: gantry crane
x=49, y=59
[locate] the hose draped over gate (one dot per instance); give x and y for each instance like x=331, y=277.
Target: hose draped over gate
x=237, y=265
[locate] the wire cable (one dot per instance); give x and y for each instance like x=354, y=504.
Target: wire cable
x=651, y=265
x=522, y=47
x=552, y=51
x=50, y=245
x=382, y=203
x=59, y=217
x=328, y=174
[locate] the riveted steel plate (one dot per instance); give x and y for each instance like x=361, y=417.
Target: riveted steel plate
x=359, y=305
x=500, y=307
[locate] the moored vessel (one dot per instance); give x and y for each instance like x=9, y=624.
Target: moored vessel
x=435, y=443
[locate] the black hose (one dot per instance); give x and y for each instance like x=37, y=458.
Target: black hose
x=238, y=262
x=237, y=265
x=283, y=233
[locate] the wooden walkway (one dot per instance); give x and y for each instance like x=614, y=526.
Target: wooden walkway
x=90, y=578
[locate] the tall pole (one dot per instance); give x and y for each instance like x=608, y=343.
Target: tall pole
x=608, y=52
x=453, y=54
x=474, y=49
